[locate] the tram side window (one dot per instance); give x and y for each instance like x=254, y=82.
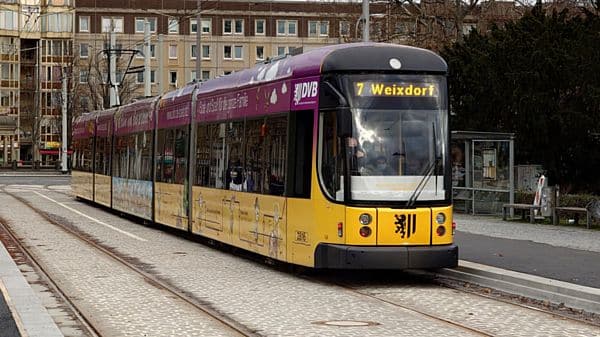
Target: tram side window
x=216, y=134
x=203, y=145
x=330, y=157
x=83, y=155
x=120, y=157
x=276, y=154
x=160, y=151
x=234, y=150
x=146, y=154
x=300, y=157
x=99, y=161
x=255, y=155
x=172, y=155
x=139, y=156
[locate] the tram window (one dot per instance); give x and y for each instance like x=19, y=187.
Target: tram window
x=276, y=154
x=100, y=161
x=203, y=144
x=300, y=148
x=255, y=154
x=160, y=150
x=133, y=157
x=171, y=166
x=216, y=134
x=87, y=160
x=235, y=173
x=120, y=161
x=168, y=160
x=330, y=156
x=180, y=154
x=146, y=155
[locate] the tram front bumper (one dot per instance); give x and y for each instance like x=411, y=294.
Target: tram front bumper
x=332, y=256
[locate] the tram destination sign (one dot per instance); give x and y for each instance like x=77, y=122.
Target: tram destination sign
x=395, y=89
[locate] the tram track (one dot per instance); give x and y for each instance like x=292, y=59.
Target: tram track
x=415, y=310
x=149, y=278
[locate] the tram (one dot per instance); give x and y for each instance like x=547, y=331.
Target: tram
x=335, y=158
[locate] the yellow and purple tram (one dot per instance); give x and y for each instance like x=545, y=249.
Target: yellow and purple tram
x=334, y=158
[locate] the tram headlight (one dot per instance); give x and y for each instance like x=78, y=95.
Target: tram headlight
x=365, y=231
x=365, y=219
x=440, y=218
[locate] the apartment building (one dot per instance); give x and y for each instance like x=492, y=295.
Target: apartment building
x=36, y=38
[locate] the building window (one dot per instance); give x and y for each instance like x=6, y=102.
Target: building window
x=227, y=72
x=173, y=26
x=140, y=77
x=173, y=77
x=152, y=76
x=112, y=24
x=140, y=48
x=57, y=22
x=318, y=28
x=260, y=53
x=205, y=52
x=259, y=27
x=139, y=24
x=231, y=26
x=344, y=28
x=84, y=24
x=286, y=27
x=194, y=52
x=206, y=26
x=238, y=52
x=227, y=52
x=83, y=76
x=205, y=75
x=172, y=51
x=84, y=50
x=283, y=50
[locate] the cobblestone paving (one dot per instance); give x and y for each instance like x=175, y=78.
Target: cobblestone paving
x=276, y=303
x=122, y=303
x=493, y=317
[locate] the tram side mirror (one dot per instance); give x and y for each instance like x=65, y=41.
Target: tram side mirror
x=344, y=123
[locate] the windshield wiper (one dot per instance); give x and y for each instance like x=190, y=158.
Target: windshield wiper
x=423, y=182
x=428, y=173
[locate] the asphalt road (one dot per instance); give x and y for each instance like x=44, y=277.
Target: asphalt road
x=564, y=264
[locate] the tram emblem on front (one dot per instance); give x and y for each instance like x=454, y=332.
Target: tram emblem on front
x=406, y=225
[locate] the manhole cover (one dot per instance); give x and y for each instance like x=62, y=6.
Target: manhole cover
x=346, y=323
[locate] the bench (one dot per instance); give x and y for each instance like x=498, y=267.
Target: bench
x=523, y=208
x=558, y=209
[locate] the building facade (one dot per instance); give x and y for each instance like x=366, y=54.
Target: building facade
x=36, y=43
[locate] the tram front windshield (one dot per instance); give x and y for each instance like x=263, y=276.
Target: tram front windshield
x=397, y=145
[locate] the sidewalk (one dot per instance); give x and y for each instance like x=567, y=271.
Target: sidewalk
x=29, y=317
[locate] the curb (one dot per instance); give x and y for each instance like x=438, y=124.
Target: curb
x=571, y=295
x=31, y=317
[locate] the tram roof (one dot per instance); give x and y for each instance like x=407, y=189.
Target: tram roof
x=340, y=57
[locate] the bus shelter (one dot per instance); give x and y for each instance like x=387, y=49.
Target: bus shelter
x=482, y=171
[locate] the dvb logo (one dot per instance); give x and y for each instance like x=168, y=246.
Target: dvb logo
x=305, y=90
